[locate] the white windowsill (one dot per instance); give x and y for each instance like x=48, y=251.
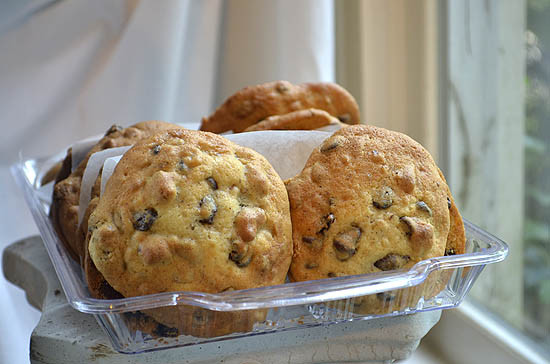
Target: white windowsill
x=472, y=334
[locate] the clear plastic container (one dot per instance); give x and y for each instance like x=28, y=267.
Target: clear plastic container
x=132, y=323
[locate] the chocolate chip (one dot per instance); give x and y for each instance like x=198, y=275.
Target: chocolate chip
x=312, y=242
x=327, y=221
x=143, y=220
x=240, y=254
x=165, y=331
x=182, y=167
x=308, y=239
x=421, y=205
x=391, y=262
x=156, y=149
x=383, y=198
x=212, y=182
x=345, y=118
x=113, y=129
x=450, y=251
x=311, y=265
x=329, y=147
x=208, y=210
x=331, y=275
x=345, y=243
x=410, y=224
x=448, y=202
x=385, y=296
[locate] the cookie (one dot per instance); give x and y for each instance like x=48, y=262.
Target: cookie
x=51, y=173
x=191, y=211
x=97, y=285
x=255, y=103
x=201, y=322
x=369, y=200
x=308, y=119
x=456, y=241
x=65, y=200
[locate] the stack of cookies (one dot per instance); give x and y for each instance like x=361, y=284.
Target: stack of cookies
x=189, y=210
x=283, y=106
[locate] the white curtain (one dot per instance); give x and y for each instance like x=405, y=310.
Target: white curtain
x=69, y=69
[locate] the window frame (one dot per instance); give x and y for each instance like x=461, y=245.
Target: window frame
x=353, y=47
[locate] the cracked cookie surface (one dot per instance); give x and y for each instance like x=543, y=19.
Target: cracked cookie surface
x=191, y=211
x=369, y=200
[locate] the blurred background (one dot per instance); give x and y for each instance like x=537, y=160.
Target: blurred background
x=470, y=80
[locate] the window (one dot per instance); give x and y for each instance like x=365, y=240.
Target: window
x=537, y=174
x=470, y=80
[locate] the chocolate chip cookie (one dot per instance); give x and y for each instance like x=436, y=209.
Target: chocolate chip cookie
x=191, y=211
x=65, y=200
x=308, y=119
x=255, y=103
x=369, y=200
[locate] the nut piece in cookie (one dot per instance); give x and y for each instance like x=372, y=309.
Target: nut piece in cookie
x=217, y=228
x=253, y=104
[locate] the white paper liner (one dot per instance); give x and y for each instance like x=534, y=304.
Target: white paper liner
x=330, y=128
x=287, y=151
x=108, y=168
x=90, y=174
x=190, y=126
x=81, y=148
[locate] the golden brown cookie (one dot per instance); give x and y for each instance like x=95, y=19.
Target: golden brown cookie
x=97, y=285
x=64, y=208
x=194, y=321
x=456, y=241
x=368, y=200
x=254, y=104
x=308, y=119
x=191, y=211
x=201, y=322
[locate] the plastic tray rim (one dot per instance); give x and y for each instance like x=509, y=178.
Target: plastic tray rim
x=288, y=294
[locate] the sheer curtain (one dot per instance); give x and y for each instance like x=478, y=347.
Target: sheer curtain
x=70, y=69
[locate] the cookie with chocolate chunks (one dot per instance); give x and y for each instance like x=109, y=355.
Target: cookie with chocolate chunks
x=253, y=104
x=191, y=211
x=66, y=192
x=387, y=201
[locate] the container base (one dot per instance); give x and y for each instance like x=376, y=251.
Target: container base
x=65, y=335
